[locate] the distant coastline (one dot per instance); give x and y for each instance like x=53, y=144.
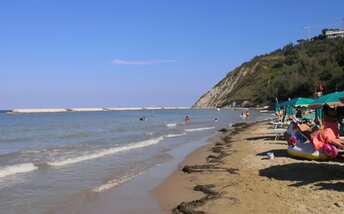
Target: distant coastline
x=57, y=110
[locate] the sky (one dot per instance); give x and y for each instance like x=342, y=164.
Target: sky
x=136, y=53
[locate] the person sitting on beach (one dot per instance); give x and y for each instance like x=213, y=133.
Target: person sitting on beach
x=323, y=137
x=340, y=114
x=298, y=113
x=330, y=119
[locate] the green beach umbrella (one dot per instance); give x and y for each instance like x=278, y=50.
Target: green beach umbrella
x=318, y=113
x=289, y=111
x=277, y=108
x=298, y=102
x=309, y=117
x=332, y=99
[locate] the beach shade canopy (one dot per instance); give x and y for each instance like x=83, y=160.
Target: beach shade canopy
x=298, y=102
x=277, y=108
x=309, y=117
x=332, y=99
x=290, y=111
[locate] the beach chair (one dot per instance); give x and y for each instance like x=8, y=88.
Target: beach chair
x=278, y=132
x=279, y=124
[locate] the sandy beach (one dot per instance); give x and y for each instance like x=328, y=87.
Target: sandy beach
x=233, y=174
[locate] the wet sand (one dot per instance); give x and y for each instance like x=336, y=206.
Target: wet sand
x=234, y=175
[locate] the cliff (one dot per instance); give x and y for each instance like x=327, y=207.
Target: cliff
x=291, y=71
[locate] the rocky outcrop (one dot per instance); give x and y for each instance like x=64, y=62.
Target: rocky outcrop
x=223, y=94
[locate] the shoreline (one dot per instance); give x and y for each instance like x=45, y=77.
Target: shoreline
x=177, y=188
x=233, y=174
x=164, y=193
x=135, y=196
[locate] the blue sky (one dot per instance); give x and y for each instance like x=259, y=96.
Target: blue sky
x=133, y=53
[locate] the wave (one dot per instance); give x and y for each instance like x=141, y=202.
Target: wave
x=113, y=183
x=170, y=125
x=105, y=152
x=16, y=169
x=176, y=135
x=199, y=129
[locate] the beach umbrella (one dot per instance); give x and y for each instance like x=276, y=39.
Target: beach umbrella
x=309, y=117
x=298, y=102
x=277, y=108
x=329, y=99
x=289, y=111
x=319, y=113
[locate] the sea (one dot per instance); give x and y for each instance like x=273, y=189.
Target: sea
x=59, y=162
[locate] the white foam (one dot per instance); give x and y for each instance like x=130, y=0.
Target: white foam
x=199, y=129
x=176, y=135
x=171, y=125
x=106, y=152
x=111, y=184
x=16, y=169
x=114, y=183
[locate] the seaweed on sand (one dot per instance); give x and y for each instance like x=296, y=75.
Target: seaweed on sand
x=188, y=207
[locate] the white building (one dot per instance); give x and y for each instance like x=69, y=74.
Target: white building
x=331, y=34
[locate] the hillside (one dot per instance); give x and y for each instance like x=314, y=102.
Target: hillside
x=291, y=71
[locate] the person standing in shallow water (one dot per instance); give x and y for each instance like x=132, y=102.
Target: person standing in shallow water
x=187, y=120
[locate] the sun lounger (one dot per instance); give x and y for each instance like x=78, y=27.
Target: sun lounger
x=278, y=132
x=276, y=125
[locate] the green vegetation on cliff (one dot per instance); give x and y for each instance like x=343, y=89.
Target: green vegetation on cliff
x=291, y=71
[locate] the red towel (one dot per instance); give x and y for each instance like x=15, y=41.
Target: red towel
x=320, y=138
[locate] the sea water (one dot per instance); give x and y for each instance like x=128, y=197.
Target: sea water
x=54, y=160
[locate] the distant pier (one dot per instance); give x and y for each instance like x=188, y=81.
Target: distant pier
x=57, y=110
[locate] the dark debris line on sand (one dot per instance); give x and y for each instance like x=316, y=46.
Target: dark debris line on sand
x=187, y=207
x=212, y=166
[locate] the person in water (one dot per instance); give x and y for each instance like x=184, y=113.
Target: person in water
x=247, y=114
x=187, y=120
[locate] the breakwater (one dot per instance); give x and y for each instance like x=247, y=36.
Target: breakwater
x=56, y=110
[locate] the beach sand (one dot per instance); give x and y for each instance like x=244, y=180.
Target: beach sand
x=234, y=175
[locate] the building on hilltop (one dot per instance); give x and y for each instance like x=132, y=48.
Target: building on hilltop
x=334, y=33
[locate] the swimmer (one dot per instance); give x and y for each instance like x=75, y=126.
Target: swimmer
x=187, y=120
